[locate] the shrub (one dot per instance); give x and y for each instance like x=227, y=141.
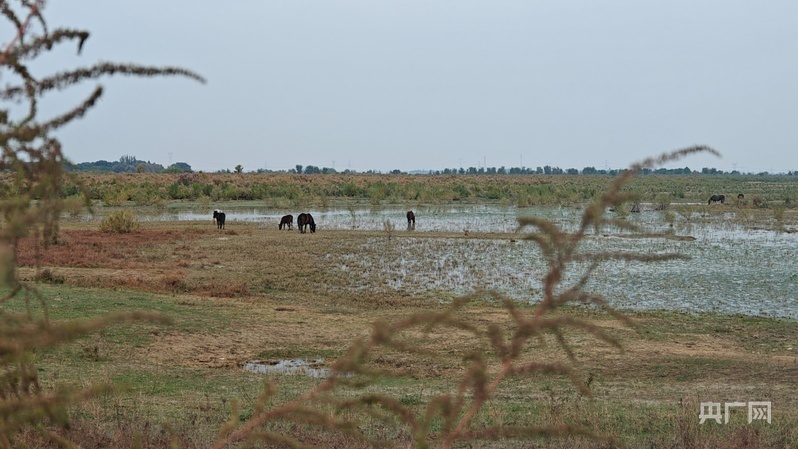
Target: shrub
x=121, y=221
x=48, y=277
x=662, y=202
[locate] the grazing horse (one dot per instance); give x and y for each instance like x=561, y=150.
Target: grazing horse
x=716, y=198
x=218, y=217
x=411, y=220
x=287, y=220
x=303, y=221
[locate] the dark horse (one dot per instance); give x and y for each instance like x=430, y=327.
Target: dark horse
x=287, y=220
x=218, y=217
x=303, y=221
x=411, y=220
x=716, y=198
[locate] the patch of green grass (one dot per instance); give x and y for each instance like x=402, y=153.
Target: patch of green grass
x=65, y=302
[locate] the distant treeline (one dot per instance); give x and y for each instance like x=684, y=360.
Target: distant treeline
x=130, y=164
x=548, y=170
x=545, y=170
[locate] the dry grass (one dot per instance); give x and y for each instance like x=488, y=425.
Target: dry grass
x=287, y=305
x=249, y=261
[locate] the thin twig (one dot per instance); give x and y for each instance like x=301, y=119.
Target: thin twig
x=21, y=31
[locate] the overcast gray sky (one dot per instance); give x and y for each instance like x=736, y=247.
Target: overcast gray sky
x=432, y=84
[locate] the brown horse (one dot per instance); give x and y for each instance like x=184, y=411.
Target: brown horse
x=716, y=199
x=287, y=220
x=303, y=221
x=411, y=220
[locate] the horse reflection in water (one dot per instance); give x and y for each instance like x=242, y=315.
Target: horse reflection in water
x=411, y=220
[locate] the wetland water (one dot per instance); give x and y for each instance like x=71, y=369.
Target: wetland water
x=735, y=265
x=474, y=218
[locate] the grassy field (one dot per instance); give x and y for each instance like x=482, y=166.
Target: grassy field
x=253, y=293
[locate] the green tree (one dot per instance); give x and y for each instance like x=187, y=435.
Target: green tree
x=180, y=167
x=128, y=160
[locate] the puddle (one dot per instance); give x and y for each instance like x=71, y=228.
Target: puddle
x=290, y=367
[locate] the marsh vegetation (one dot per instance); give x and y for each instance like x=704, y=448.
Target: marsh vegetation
x=718, y=326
